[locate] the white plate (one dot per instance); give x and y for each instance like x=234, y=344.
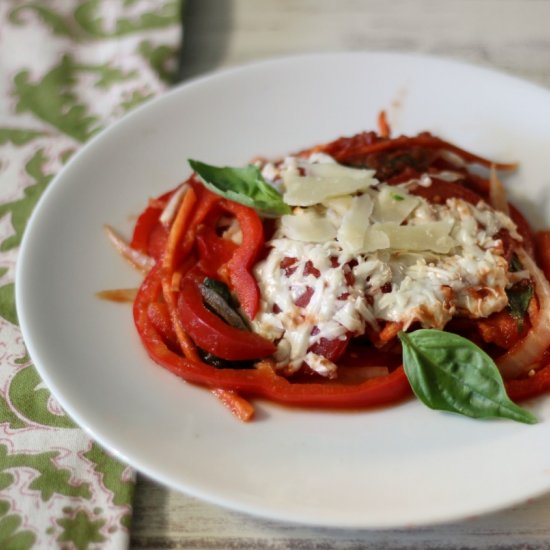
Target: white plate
x=394, y=467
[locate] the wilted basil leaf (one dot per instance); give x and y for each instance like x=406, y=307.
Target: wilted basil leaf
x=519, y=297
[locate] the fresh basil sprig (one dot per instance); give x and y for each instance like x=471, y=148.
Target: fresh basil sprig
x=244, y=185
x=448, y=372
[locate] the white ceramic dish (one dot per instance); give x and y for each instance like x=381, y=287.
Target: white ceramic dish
x=393, y=467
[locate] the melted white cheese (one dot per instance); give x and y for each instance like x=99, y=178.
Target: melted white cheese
x=419, y=262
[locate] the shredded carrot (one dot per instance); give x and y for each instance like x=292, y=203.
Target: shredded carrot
x=180, y=224
x=389, y=332
x=383, y=127
x=176, y=279
x=118, y=294
x=181, y=221
x=239, y=406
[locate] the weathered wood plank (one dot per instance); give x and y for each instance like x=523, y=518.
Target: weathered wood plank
x=167, y=519
x=511, y=35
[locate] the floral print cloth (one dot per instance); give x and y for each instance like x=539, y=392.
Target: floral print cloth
x=68, y=68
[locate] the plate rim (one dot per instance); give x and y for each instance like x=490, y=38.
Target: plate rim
x=266, y=512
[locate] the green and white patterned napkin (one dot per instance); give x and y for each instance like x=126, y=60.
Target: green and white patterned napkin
x=68, y=68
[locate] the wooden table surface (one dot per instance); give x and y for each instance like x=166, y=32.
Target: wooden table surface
x=511, y=35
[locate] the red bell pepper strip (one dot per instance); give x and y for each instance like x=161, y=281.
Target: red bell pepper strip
x=145, y=224
x=150, y=235
x=238, y=267
x=532, y=386
x=214, y=252
x=206, y=204
x=159, y=315
x=262, y=382
x=212, y=334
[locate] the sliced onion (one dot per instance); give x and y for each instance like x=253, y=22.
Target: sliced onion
x=137, y=259
x=527, y=353
x=497, y=193
x=173, y=204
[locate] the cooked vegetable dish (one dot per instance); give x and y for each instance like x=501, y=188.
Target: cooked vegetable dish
x=349, y=275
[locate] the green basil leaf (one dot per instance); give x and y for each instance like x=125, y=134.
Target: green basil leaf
x=448, y=372
x=243, y=185
x=519, y=297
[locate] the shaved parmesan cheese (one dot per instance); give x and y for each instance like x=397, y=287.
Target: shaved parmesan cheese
x=322, y=181
x=393, y=205
x=308, y=227
x=351, y=233
x=375, y=239
x=432, y=236
x=339, y=205
x=332, y=171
